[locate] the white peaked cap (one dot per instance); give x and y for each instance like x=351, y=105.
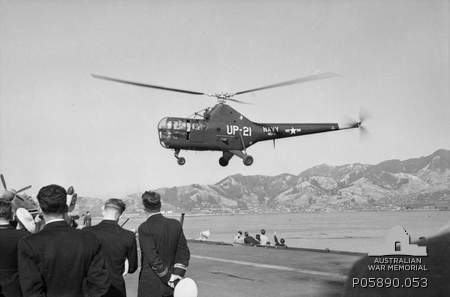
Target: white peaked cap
x=186, y=288
x=26, y=219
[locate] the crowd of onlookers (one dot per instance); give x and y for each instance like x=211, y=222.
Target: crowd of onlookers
x=260, y=239
x=47, y=255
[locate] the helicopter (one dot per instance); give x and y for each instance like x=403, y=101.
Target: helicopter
x=224, y=129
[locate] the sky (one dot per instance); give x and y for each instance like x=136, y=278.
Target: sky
x=59, y=125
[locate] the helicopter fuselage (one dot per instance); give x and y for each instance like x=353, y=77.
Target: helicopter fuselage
x=224, y=129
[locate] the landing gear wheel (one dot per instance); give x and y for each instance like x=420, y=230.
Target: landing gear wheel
x=248, y=160
x=223, y=162
x=181, y=161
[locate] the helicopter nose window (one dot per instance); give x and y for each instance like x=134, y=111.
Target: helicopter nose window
x=198, y=125
x=173, y=129
x=179, y=125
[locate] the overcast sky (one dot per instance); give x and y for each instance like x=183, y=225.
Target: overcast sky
x=59, y=125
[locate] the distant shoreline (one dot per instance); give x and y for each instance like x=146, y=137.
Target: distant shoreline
x=176, y=214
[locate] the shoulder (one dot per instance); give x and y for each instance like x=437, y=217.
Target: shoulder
x=89, y=229
x=125, y=232
x=173, y=222
x=92, y=229
x=85, y=235
x=20, y=233
x=28, y=240
x=143, y=225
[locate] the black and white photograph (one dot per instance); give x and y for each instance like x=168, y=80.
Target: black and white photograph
x=224, y=148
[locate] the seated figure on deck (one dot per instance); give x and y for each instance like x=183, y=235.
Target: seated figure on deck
x=249, y=240
x=281, y=243
x=264, y=238
x=239, y=238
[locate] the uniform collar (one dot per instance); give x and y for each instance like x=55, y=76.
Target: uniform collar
x=154, y=214
x=109, y=222
x=54, y=220
x=56, y=224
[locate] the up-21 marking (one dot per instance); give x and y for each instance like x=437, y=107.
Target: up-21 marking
x=234, y=129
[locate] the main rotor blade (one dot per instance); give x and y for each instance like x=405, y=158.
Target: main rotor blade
x=290, y=82
x=3, y=181
x=146, y=85
x=237, y=101
x=23, y=189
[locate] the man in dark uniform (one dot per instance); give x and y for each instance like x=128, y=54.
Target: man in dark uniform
x=118, y=245
x=165, y=254
x=60, y=261
x=87, y=221
x=9, y=237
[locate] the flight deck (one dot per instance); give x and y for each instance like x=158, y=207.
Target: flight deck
x=223, y=270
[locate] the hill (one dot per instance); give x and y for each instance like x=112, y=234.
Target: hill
x=416, y=183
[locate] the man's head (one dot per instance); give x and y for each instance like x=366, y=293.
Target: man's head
x=5, y=210
x=113, y=209
x=246, y=234
x=240, y=233
x=151, y=201
x=263, y=231
x=52, y=200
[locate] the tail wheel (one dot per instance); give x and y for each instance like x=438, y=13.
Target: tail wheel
x=181, y=161
x=223, y=162
x=248, y=160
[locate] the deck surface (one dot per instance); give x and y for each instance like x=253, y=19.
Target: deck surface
x=225, y=270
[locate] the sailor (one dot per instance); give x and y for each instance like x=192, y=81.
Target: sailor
x=87, y=221
x=118, y=245
x=281, y=243
x=239, y=238
x=9, y=238
x=249, y=240
x=264, y=238
x=165, y=254
x=59, y=260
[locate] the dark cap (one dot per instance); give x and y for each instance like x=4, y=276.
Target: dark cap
x=53, y=199
x=151, y=200
x=116, y=204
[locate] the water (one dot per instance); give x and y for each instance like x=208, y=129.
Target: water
x=348, y=231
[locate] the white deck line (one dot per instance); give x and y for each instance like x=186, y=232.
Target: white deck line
x=276, y=267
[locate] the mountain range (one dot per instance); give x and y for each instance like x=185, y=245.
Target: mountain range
x=417, y=183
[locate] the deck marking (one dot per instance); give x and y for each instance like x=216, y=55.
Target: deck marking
x=276, y=267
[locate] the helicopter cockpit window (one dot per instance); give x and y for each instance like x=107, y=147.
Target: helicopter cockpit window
x=198, y=125
x=169, y=125
x=179, y=125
